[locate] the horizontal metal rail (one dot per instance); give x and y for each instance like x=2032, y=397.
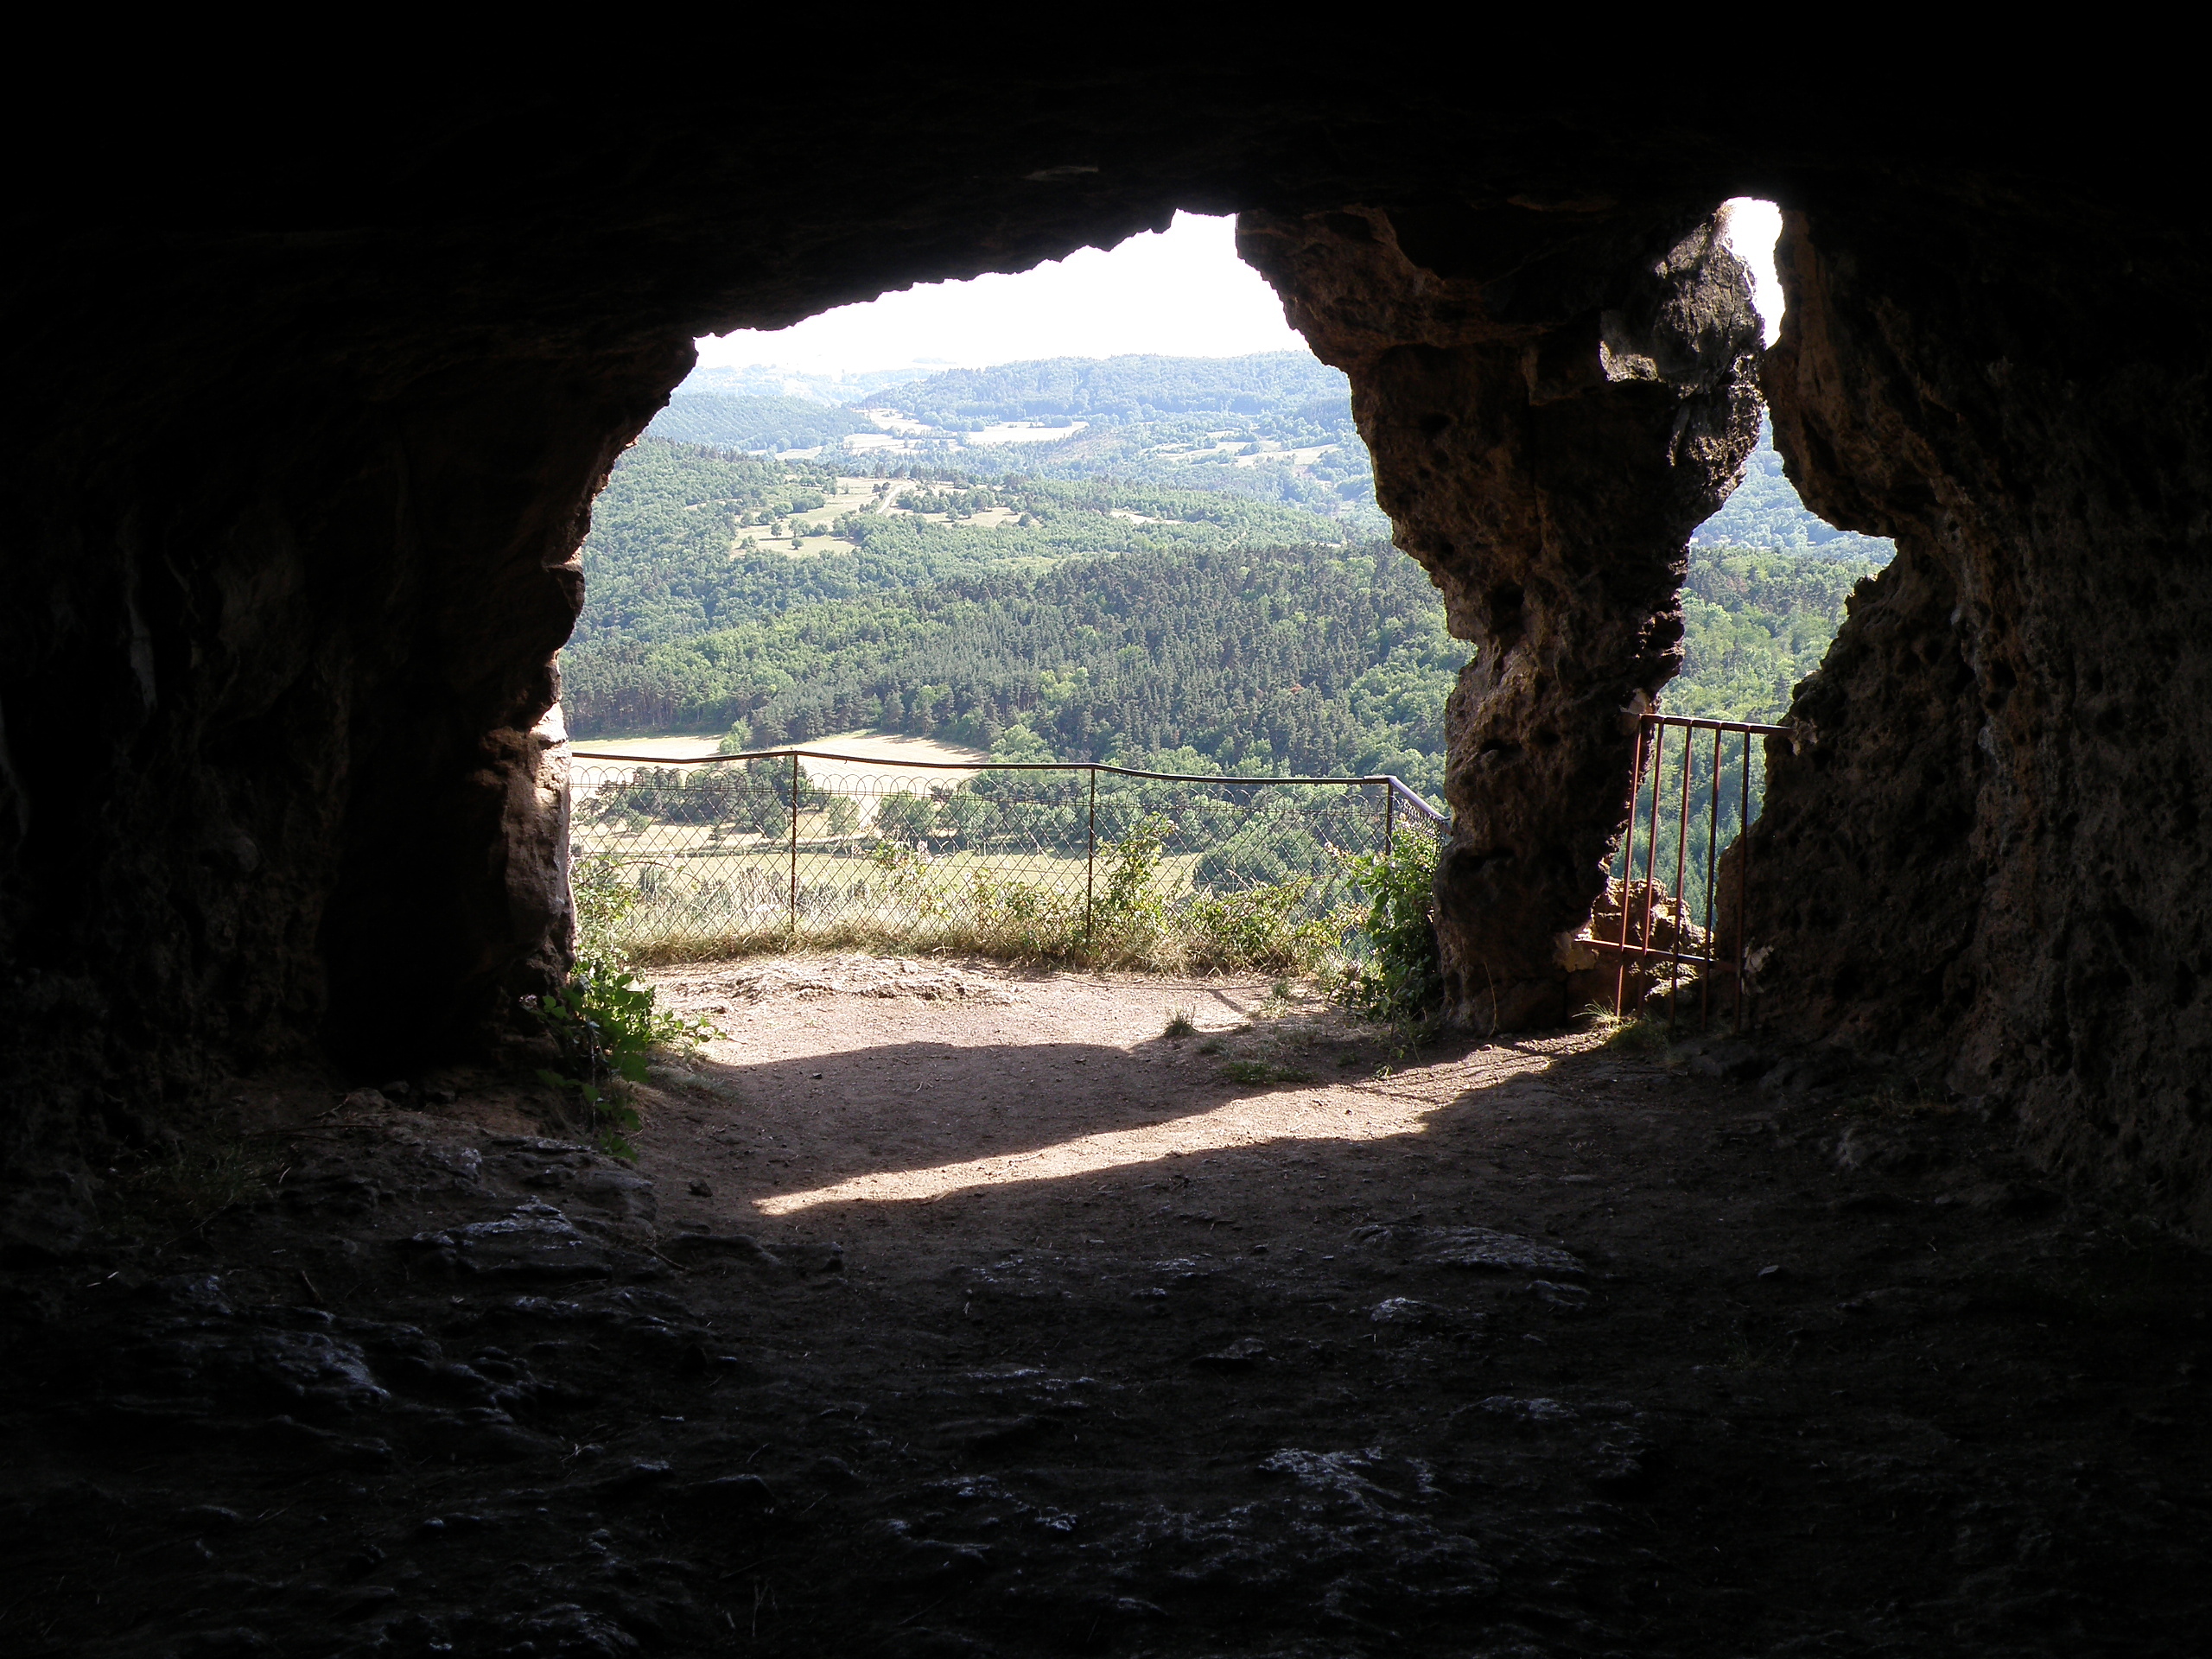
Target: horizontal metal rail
x=1398, y=785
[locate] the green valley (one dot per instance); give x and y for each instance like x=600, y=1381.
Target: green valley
x=1171, y=563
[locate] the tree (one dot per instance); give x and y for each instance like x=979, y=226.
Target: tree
x=905, y=817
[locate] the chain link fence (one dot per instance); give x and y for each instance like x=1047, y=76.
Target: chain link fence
x=796, y=847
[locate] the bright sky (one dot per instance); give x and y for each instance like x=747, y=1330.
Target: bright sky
x=1180, y=293
x=1752, y=227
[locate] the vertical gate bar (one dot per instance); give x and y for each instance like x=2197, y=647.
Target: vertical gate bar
x=1743, y=882
x=1682, y=858
x=794, y=847
x=1627, y=871
x=1389, y=816
x=1090, y=857
x=1712, y=854
x=1651, y=839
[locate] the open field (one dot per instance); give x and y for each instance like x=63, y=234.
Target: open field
x=859, y=747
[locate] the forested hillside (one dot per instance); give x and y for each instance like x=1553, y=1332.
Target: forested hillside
x=773, y=424
x=1764, y=511
x=1305, y=659
x=1756, y=621
x=685, y=539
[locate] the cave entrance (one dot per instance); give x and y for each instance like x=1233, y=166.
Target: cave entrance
x=1021, y=615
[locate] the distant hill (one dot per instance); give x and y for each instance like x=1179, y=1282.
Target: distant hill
x=1276, y=427
x=1765, y=512
x=777, y=380
x=1275, y=385
x=747, y=424
x=688, y=540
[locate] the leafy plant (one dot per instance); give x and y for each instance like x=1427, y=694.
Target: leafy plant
x=1255, y=930
x=602, y=899
x=606, y=1024
x=1132, y=910
x=1402, y=976
x=1634, y=1033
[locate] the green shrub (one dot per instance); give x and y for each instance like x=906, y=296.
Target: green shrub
x=1255, y=930
x=1402, y=976
x=605, y=1024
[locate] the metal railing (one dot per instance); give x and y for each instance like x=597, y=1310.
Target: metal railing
x=730, y=852
x=1664, y=939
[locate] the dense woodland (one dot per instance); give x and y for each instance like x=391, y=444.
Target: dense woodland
x=772, y=423
x=1164, y=612
x=1299, y=659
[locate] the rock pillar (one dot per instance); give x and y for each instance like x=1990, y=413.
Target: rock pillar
x=1555, y=395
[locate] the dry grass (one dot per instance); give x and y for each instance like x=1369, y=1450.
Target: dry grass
x=161, y=1200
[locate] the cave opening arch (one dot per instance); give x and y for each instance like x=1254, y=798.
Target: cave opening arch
x=295, y=556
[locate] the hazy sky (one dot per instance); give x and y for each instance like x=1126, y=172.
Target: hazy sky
x=1181, y=293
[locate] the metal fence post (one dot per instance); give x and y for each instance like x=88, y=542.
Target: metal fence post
x=1090, y=857
x=1627, y=873
x=1744, y=890
x=1389, y=815
x=794, y=846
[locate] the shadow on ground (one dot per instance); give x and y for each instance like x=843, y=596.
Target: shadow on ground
x=1532, y=1349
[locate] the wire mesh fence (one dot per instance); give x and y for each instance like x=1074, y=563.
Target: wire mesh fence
x=798, y=848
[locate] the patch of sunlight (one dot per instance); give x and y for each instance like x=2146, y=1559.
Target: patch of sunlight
x=1300, y=1114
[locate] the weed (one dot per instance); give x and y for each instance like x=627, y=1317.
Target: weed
x=1179, y=1025
x=1260, y=1072
x=1404, y=974
x=1212, y=1046
x=1632, y=1034
x=603, y=900
x=162, y=1199
x=1743, y=1355
x=606, y=1025
x=1895, y=1101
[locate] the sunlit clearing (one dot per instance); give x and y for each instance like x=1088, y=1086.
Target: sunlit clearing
x=1179, y=293
x=1370, y=1113
x=1754, y=226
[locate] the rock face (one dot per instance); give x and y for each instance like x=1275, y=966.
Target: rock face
x=1554, y=400
x=288, y=557
x=1994, y=856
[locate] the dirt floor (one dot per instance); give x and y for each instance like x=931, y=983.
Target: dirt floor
x=952, y=1311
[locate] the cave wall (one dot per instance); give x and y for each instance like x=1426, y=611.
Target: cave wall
x=1555, y=395
x=282, y=765
x=1991, y=860
x=309, y=391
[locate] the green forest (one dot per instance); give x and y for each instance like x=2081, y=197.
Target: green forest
x=771, y=424
x=1307, y=659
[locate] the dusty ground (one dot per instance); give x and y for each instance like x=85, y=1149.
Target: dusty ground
x=949, y=1311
